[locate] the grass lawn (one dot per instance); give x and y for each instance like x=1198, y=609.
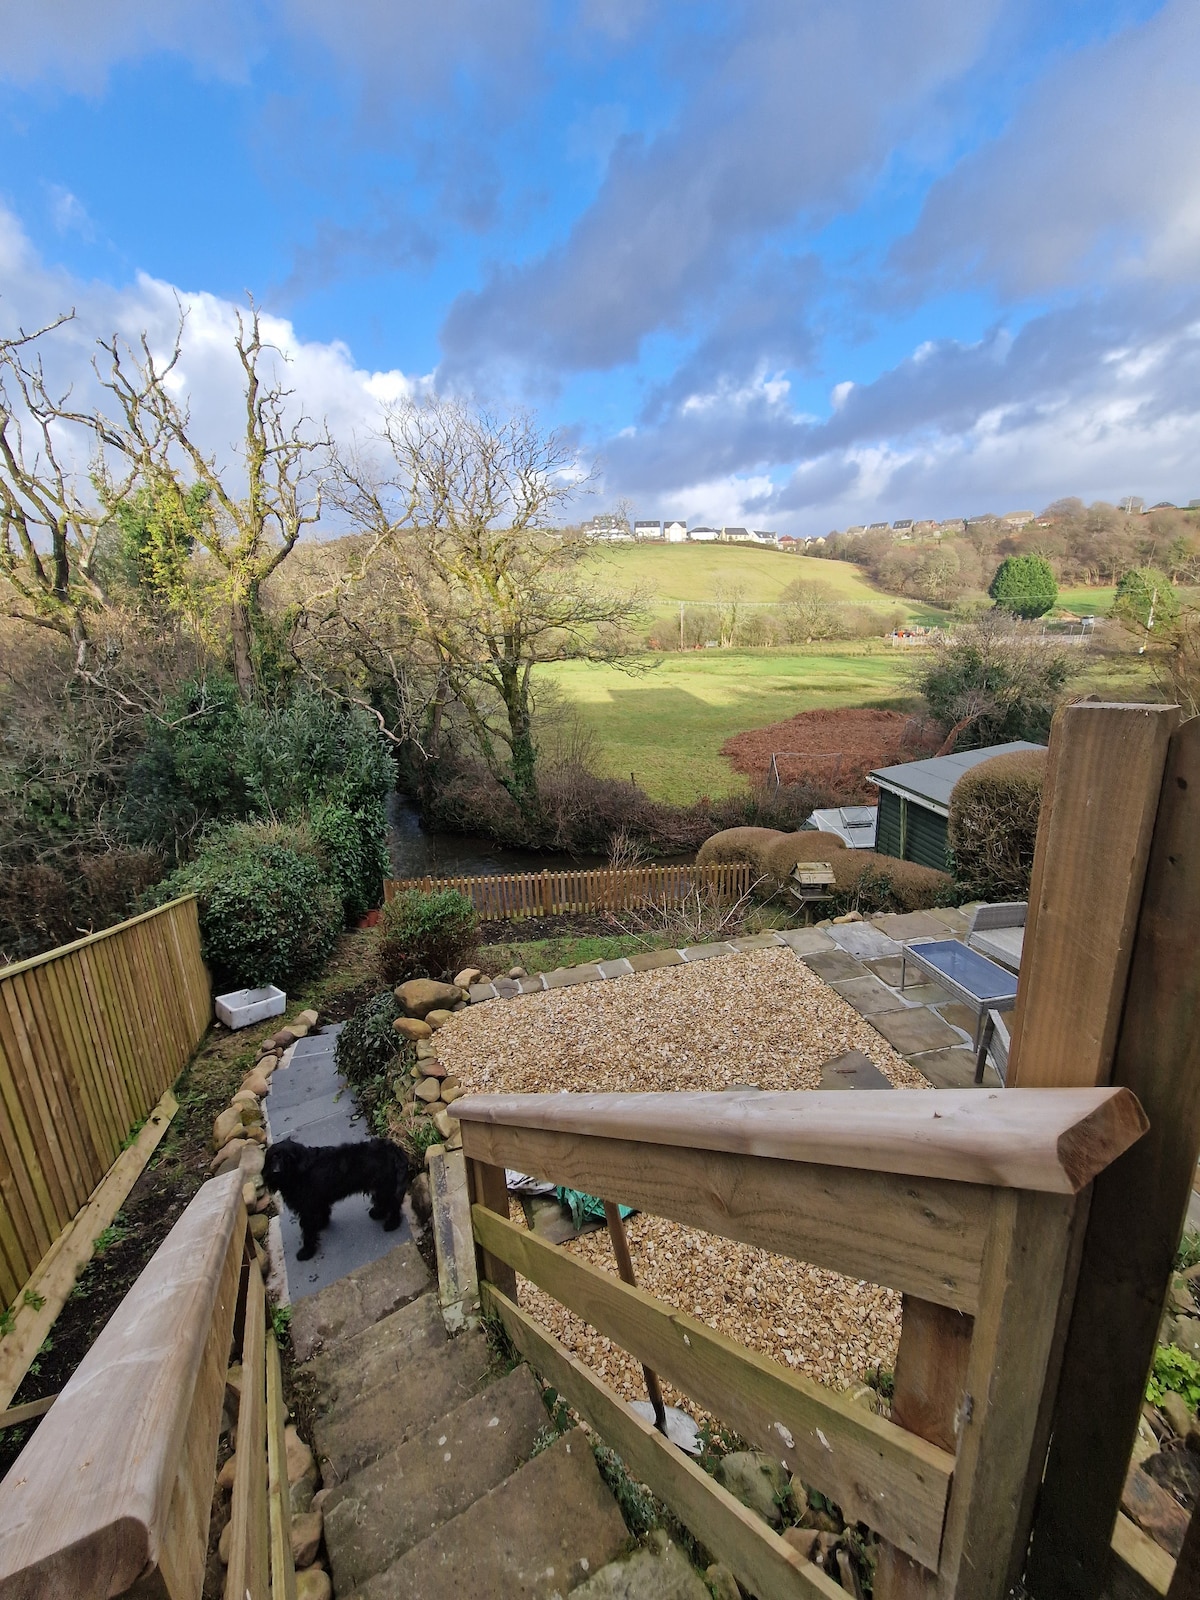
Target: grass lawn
x=669, y=573
x=1085, y=602
x=667, y=726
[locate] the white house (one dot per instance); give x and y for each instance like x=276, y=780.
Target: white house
x=735, y=535
x=676, y=532
x=703, y=535
x=647, y=530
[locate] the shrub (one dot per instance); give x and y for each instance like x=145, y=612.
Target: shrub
x=268, y=912
x=426, y=935
x=871, y=883
x=355, y=847
x=993, y=825
x=995, y=680
x=367, y=1044
x=1025, y=586
x=782, y=854
x=739, y=844
x=43, y=906
x=1146, y=599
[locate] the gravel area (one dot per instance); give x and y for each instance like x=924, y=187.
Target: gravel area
x=756, y=1018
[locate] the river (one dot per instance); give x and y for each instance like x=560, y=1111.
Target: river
x=418, y=852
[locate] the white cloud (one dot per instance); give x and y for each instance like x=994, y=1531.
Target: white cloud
x=325, y=381
x=74, y=43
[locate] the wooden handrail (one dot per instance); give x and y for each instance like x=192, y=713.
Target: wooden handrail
x=108, y=1488
x=1050, y=1140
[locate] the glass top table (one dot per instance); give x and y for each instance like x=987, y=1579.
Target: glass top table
x=970, y=978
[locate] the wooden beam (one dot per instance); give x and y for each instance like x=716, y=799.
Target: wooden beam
x=247, y=1576
x=283, y=1566
x=760, y=1560
x=875, y=1471
x=1185, y=1580
x=1139, y=1569
x=84, y=1512
x=932, y=1244
x=16, y=1415
x=1055, y=1143
x=1138, y=1207
x=487, y=1186
x=59, y=1268
x=1099, y=800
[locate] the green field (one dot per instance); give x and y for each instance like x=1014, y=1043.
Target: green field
x=697, y=573
x=667, y=724
x=1087, y=602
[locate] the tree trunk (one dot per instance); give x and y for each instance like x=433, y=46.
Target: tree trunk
x=243, y=649
x=522, y=784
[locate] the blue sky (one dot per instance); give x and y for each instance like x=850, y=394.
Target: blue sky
x=791, y=264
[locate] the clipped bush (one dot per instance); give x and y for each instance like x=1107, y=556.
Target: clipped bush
x=739, y=844
x=871, y=883
x=426, y=935
x=782, y=854
x=268, y=912
x=367, y=1044
x=993, y=825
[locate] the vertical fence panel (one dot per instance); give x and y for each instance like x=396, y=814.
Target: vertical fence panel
x=90, y=1037
x=557, y=893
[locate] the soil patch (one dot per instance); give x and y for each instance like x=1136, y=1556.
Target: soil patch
x=523, y=930
x=833, y=748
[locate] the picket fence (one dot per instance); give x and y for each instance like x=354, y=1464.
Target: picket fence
x=546, y=894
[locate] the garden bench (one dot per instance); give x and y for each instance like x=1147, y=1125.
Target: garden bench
x=998, y=932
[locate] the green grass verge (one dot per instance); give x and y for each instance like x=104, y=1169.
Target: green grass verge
x=667, y=726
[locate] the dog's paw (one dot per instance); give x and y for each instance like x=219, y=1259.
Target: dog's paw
x=375, y=1213
x=391, y=1225
x=306, y=1252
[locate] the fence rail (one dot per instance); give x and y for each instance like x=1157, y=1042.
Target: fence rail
x=546, y=894
x=970, y=1202
x=91, y=1035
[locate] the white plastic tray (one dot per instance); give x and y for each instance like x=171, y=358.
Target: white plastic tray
x=241, y=1007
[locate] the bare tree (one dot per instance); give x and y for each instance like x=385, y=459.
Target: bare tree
x=53, y=509
x=465, y=510
x=250, y=530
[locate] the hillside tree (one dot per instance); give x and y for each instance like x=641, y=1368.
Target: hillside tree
x=488, y=588
x=1024, y=585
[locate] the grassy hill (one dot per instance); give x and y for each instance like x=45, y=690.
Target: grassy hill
x=669, y=573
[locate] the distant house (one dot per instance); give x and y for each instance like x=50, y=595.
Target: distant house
x=1017, y=519
x=735, y=535
x=703, y=535
x=879, y=527
x=790, y=544
x=647, y=530
x=914, y=803
x=1164, y=505
x=905, y=525
x=607, y=528
x=762, y=536
x=676, y=532
x=857, y=528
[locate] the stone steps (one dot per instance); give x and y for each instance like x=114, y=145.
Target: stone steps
x=358, y=1300
x=360, y=1363
x=381, y=1512
x=539, y=1534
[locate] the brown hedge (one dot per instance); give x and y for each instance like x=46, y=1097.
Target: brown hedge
x=739, y=844
x=782, y=854
x=867, y=882
x=994, y=812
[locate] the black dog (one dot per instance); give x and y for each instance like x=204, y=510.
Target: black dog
x=309, y=1178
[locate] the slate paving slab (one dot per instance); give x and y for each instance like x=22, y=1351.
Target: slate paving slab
x=953, y=1069
x=925, y=994
x=705, y=952
x=950, y=917
x=653, y=959
x=863, y=940
x=807, y=941
x=887, y=970
x=309, y=1100
x=835, y=966
x=852, y=1071
x=911, y=924
x=915, y=1029
x=568, y=978
x=867, y=995
x=619, y=968
x=958, y=1016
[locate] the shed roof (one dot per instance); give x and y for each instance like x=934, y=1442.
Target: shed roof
x=931, y=781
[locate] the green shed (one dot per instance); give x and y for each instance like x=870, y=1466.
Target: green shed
x=914, y=803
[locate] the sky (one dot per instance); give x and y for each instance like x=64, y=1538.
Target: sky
x=792, y=265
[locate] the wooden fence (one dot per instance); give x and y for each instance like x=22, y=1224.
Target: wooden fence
x=967, y=1202
x=91, y=1036
x=548, y=894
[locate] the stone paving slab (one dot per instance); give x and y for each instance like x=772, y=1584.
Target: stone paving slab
x=905, y=925
x=533, y=985
x=653, y=959
x=705, y=952
x=926, y=994
x=954, y=1069
x=506, y=987
x=359, y=1301
x=481, y=991
x=864, y=941
x=807, y=941
x=867, y=995
x=570, y=976
x=852, y=1071
x=887, y=971
x=620, y=968
x=757, y=941
x=915, y=1029
x=950, y=917
x=958, y=1016
x=835, y=966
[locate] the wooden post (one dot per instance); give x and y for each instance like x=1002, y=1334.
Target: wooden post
x=1185, y=1584
x=1099, y=800
x=620, y=1244
x=1138, y=1206
x=247, y=1574
x=488, y=1186
x=283, y=1567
